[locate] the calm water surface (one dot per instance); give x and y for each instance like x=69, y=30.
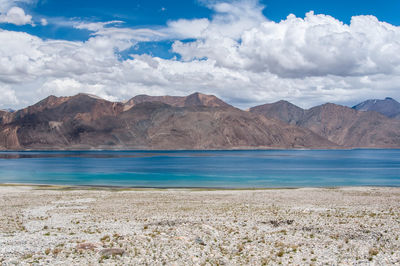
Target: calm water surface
x=234, y=169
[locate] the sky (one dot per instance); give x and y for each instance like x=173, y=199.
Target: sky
x=247, y=52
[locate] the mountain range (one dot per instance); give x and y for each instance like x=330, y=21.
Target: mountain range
x=193, y=122
x=344, y=126
x=388, y=107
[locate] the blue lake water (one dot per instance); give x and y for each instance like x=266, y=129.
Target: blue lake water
x=231, y=169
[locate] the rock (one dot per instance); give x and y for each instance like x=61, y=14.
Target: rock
x=87, y=246
x=200, y=241
x=276, y=223
x=112, y=252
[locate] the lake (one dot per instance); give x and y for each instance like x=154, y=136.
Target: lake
x=222, y=169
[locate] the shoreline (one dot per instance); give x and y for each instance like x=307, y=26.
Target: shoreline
x=206, y=150
x=134, y=188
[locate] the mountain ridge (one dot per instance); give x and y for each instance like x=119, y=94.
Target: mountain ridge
x=388, y=107
x=203, y=122
x=196, y=121
x=342, y=125
x=194, y=99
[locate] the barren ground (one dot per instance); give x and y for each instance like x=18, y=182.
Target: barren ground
x=59, y=225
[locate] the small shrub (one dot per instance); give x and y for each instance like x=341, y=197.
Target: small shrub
x=280, y=253
x=373, y=252
x=105, y=238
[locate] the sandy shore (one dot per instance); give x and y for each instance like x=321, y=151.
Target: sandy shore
x=356, y=226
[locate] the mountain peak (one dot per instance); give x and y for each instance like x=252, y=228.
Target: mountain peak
x=388, y=107
x=200, y=99
x=331, y=106
x=281, y=110
x=87, y=95
x=194, y=99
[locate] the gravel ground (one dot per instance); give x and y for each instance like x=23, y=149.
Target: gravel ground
x=59, y=225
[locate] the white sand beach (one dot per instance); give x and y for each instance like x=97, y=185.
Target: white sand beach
x=61, y=226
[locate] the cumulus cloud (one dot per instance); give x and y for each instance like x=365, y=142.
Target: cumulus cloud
x=16, y=16
x=320, y=45
x=238, y=55
x=6, y=5
x=8, y=96
x=230, y=20
x=317, y=45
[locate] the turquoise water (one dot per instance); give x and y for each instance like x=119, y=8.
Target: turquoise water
x=230, y=169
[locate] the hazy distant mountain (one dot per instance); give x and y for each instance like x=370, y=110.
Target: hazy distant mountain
x=194, y=122
x=342, y=125
x=8, y=110
x=388, y=107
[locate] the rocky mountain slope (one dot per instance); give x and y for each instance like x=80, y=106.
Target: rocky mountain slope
x=2, y=113
x=342, y=125
x=282, y=110
x=197, y=121
x=388, y=107
x=195, y=99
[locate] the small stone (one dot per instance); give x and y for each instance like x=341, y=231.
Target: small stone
x=200, y=241
x=112, y=252
x=275, y=223
x=87, y=246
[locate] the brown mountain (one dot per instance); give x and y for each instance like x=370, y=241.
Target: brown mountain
x=342, y=125
x=195, y=99
x=282, y=110
x=4, y=116
x=2, y=113
x=194, y=122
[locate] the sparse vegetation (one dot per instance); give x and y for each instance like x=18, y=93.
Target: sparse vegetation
x=373, y=252
x=217, y=227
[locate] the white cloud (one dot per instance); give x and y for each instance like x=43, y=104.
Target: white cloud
x=96, y=26
x=230, y=20
x=6, y=5
x=320, y=45
x=186, y=29
x=317, y=45
x=7, y=96
x=108, y=33
x=44, y=22
x=17, y=16
x=238, y=55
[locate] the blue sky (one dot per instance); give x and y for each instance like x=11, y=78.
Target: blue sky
x=246, y=51
x=157, y=12
x=140, y=13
